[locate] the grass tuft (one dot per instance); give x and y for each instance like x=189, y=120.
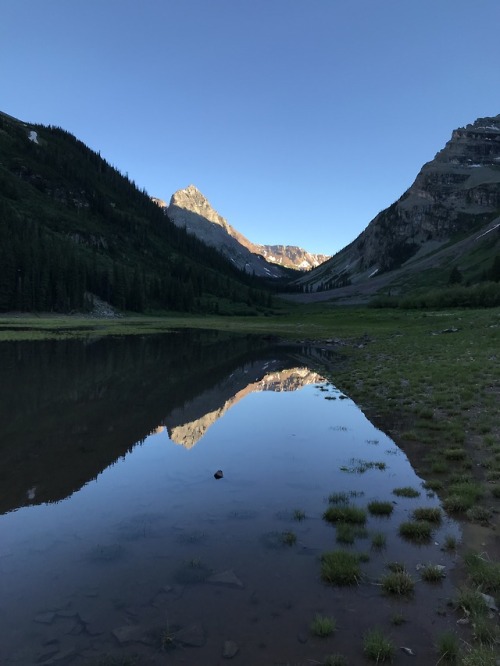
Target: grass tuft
x=323, y=626
x=398, y=583
x=377, y=508
x=339, y=567
x=448, y=647
x=432, y=573
x=417, y=531
x=429, y=514
x=345, y=514
x=377, y=647
x=482, y=572
x=406, y=491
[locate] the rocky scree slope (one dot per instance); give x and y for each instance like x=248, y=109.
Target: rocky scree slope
x=455, y=195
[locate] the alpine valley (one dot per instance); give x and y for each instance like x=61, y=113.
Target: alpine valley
x=77, y=235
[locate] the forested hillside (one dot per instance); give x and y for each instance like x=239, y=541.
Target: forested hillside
x=73, y=227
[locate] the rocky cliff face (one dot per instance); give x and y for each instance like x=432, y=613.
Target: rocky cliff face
x=457, y=192
x=190, y=209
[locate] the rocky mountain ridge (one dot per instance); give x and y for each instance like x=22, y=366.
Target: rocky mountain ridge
x=189, y=209
x=455, y=194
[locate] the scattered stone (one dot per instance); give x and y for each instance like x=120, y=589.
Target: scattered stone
x=463, y=620
x=490, y=602
x=45, y=618
x=230, y=649
x=192, y=636
x=132, y=633
x=408, y=651
x=218, y=474
x=227, y=578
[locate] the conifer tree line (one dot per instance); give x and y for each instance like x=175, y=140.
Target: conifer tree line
x=73, y=226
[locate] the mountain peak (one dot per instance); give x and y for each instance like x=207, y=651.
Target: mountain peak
x=190, y=209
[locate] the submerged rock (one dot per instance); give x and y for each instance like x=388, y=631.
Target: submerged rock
x=227, y=578
x=230, y=649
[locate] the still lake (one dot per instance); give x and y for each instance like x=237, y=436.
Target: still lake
x=119, y=546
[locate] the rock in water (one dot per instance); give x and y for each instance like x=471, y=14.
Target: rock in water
x=218, y=474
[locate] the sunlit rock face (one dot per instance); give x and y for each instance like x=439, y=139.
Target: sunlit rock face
x=191, y=210
x=185, y=430
x=454, y=193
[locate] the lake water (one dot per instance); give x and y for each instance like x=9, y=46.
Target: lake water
x=119, y=546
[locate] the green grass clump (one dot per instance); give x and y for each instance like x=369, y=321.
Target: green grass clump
x=471, y=602
x=455, y=454
x=299, y=515
x=448, y=647
x=495, y=491
x=377, y=647
x=338, y=567
x=479, y=514
x=482, y=572
x=323, y=626
x=347, y=533
x=482, y=655
x=406, y=491
x=397, y=619
x=379, y=540
x=462, y=495
x=396, y=567
x=377, y=508
x=417, y=531
x=429, y=514
x=345, y=514
x=484, y=631
x=432, y=573
x=450, y=542
x=288, y=538
x=398, y=583
x=339, y=498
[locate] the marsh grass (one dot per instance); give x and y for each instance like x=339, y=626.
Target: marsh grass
x=379, y=540
x=397, y=619
x=432, y=573
x=378, y=647
x=418, y=531
x=345, y=514
x=481, y=655
x=429, y=514
x=482, y=572
x=471, y=602
x=377, y=508
x=339, y=498
x=359, y=466
x=339, y=567
x=398, y=583
x=347, y=533
x=288, y=538
x=479, y=514
x=323, y=626
x=406, y=491
x=396, y=567
x=299, y=515
x=448, y=647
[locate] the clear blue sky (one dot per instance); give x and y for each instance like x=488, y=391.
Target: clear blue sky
x=298, y=119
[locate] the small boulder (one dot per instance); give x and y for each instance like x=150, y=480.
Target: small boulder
x=218, y=474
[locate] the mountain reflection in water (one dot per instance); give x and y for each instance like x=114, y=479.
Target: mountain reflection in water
x=117, y=546
x=71, y=408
